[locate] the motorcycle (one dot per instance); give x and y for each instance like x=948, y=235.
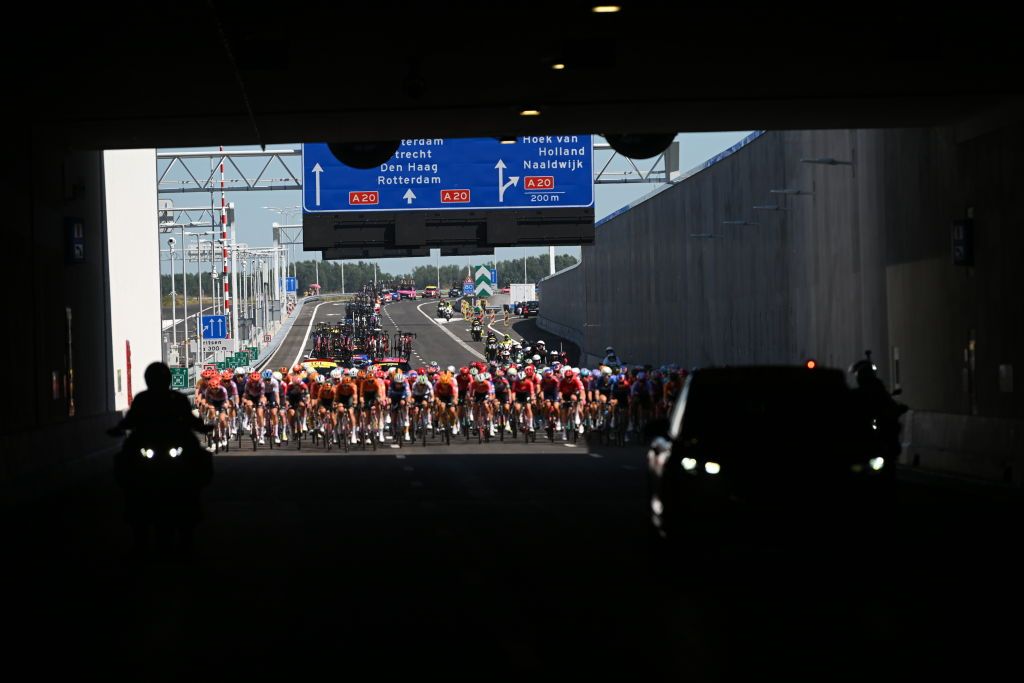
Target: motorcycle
x=162, y=475
x=476, y=330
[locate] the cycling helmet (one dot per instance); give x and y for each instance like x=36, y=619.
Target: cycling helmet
x=507, y=338
x=473, y=371
x=320, y=379
x=414, y=375
x=208, y=373
x=278, y=376
x=423, y=380
x=499, y=373
x=421, y=370
x=540, y=342
x=434, y=364
x=522, y=374
x=463, y=370
x=641, y=376
x=299, y=368
x=530, y=370
x=605, y=370
x=451, y=368
x=547, y=371
x=254, y=376
x=240, y=370
x=486, y=376
x=352, y=372
x=585, y=372
x=283, y=370
x=226, y=375
x=267, y=374
x=336, y=373
x=214, y=381
x=536, y=358
x=361, y=374
x=609, y=350
x=381, y=374
x=568, y=373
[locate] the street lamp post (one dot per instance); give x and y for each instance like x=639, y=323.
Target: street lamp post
x=184, y=287
x=174, y=309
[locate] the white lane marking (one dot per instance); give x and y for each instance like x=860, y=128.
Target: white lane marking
x=443, y=329
x=399, y=457
x=305, y=339
x=569, y=445
x=596, y=455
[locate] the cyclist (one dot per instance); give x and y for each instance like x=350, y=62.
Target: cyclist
x=422, y=397
x=640, y=401
x=297, y=396
x=549, y=393
x=398, y=394
x=447, y=391
x=272, y=399
x=501, y=395
x=483, y=393
x=570, y=387
x=525, y=391
x=252, y=403
x=371, y=392
x=345, y=393
x=610, y=358
x=216, y=395
x=227, y=379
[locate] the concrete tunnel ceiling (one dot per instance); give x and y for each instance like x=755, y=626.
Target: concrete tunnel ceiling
x=207, y=73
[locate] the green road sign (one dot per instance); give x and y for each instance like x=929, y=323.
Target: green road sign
x=222, y=365
x=484, y=287
x=179, y=378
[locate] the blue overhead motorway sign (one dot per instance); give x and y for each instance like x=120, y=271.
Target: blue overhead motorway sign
x=215, y=327
x=537, y=172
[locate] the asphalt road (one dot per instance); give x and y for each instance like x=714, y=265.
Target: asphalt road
x=499, y=562
x=496, y=565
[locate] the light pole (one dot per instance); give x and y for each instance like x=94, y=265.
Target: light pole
x=184, y=287
x=174, y=309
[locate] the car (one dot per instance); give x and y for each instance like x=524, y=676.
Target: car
x=530, y=308
x=388, y=363
x=454, y=293
x=504, y=290
x=763, y=450
x=407, y=293
x=430, y=292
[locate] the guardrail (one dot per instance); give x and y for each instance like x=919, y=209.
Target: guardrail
x=282, y=332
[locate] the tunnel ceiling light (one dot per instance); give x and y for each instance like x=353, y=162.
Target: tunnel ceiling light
x=606, y=9
x=508, y=140
x=828, y=161
x=558, y=66
x=771, y=207
x=530, y=112
x=795, y=192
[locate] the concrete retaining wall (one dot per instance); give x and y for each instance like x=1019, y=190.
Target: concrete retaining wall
x=860, y=259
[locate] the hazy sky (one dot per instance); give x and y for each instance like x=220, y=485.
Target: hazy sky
x=254, y=221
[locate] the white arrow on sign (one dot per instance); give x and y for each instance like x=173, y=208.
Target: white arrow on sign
x=318, y=169
x=409, y=196
x=502, y=185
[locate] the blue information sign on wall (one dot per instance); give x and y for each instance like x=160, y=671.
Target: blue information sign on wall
x=537, y=172
x=291, y=284
x=467, y=288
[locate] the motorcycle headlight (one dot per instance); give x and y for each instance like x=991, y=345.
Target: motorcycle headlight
x=689, y=464
x=175, y=452
x=712, y=467
x=876, y=463
x=147, y=453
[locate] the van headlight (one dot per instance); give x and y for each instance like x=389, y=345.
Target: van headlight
x=689, y=464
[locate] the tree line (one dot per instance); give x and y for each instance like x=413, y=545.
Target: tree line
x=362, y=273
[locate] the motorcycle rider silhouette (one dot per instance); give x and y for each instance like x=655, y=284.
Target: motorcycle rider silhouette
x=161, y=467
x=877, y=409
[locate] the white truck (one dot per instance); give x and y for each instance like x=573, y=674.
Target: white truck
x=522, y=292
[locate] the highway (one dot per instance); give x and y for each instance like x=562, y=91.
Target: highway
x=501, y=561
